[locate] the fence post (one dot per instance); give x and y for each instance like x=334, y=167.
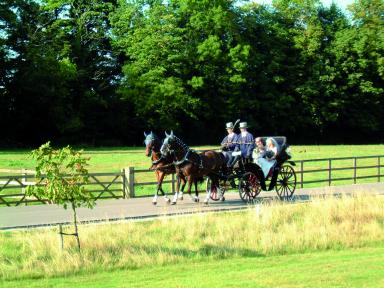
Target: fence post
x=173, y=183
x=131, y=181
x=61, y=237
x=378, y=168
x=124, y=183
x=354, y=169
x=329, y=171
x=23, y=181
x=301, y=172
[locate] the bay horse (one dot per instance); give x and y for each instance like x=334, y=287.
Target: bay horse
x=162, y=166
x=194, y=166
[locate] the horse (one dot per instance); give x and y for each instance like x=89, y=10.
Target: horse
x=194, y=166
x=162, y=166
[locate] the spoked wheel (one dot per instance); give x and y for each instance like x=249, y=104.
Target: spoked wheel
x=249, y=187
x=286, y=183
x=216, y=193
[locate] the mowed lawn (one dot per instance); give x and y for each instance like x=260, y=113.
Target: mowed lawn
x=115, y=159
x=363, y=267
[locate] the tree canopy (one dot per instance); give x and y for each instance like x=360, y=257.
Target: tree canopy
x=101, y=72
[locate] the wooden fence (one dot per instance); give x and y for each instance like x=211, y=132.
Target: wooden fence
x=100, y=185
x=310, y=173
x=369, y=167
x=129, y=182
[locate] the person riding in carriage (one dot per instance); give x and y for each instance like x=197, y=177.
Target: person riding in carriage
x=246, y=142
x=268, y=158
x=260, y=149
x=229, y=144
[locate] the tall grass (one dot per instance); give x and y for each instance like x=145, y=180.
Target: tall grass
x=267, y=229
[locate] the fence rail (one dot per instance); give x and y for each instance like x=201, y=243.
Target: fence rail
x=100, y=185
x=128, y=183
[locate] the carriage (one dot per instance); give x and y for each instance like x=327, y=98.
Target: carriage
x=250, y=180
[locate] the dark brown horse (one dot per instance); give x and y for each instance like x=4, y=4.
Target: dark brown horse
x=162, y=166
x=194, y=166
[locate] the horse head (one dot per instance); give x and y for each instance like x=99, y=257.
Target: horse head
x=168, y=142
x=152, y=143
x=173, y=145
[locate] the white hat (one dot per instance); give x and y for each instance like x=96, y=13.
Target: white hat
x=243, y=125
x=229, y=125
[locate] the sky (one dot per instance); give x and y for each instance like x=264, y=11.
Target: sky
x=340, y=3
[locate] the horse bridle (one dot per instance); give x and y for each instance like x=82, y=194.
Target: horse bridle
x=172, y=151
x=150, y=142
x=186, y=151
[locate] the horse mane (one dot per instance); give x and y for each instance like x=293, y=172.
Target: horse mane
x=181, y=143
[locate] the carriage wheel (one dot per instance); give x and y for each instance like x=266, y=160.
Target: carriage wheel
x=249, y=187
x=216, y=194
x=286, y=182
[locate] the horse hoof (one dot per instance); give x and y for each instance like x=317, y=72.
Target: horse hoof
x=197, y=200
x=168, y=200
x=173, y=203
x=180, y=198
x=206, y=202
x=154, y=203
x=222, y=199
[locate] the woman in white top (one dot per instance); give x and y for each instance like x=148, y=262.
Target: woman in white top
x=270, y=156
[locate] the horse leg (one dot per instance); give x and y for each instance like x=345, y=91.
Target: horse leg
x=190, y=182
x=196, y=191
x=180, y=195
x=174, y=200
x=209, y=191
x=160, y=184
x=154, y=200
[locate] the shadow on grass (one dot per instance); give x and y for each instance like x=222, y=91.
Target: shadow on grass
x=218, y=252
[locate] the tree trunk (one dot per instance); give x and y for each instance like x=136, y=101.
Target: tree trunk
x=75, y=224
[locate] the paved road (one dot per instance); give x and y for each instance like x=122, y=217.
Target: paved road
x=142, y=208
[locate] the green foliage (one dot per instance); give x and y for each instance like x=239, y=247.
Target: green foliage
x=103, y=71
x=62, y=173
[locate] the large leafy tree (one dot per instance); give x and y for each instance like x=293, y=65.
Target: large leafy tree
x=59, y=71
x=359, y=66
x=293, y=67
x=184, y=59
x=269, y=96
x=33, y=79
x=82, y=34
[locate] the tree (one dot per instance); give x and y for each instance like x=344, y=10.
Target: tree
x=358, y=71
x=182, y=56
x=62, y=174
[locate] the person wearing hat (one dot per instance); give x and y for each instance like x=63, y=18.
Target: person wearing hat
x=246, y=142
x=229, y=143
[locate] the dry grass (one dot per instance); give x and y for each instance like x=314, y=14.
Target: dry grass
x=268, y=229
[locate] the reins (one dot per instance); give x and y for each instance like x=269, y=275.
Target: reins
x=162, y=167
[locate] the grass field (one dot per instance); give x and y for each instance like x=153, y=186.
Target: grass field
x=286, y=243
x=349, y=268
x=115, y=159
